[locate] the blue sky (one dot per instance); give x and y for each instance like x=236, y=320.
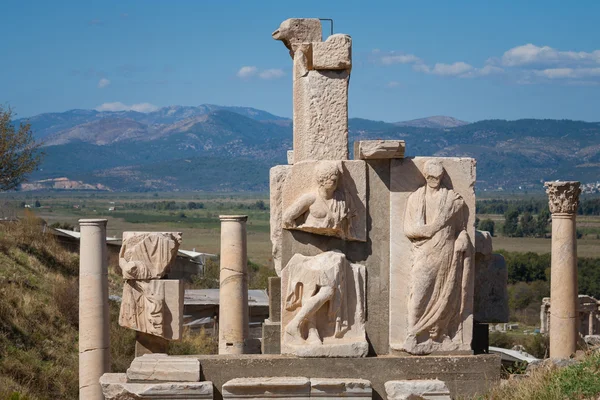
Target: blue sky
x=468, y=59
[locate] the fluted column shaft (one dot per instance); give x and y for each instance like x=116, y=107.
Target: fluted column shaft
x=94, y=342
x=233, y=292
x=563, y=202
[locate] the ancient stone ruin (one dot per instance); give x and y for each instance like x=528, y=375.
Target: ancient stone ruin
x=384, y=288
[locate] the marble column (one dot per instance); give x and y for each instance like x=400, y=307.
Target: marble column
x=233, y=292
x=94, y=349
x=563, y=201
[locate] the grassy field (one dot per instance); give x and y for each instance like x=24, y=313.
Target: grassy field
x=200, y=227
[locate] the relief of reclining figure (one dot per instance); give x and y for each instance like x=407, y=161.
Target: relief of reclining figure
x=435, y=224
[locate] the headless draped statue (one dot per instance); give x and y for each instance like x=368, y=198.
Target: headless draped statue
x=435, y=224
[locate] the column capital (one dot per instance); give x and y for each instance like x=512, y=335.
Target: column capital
x=563, y=196
x=237, y=218
x=92, y=222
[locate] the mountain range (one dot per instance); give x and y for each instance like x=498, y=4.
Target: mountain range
x=218, y=148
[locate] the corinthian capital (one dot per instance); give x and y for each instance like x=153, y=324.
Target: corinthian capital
x=563, y=197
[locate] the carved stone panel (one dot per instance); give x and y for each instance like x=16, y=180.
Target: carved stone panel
x=277, y=177
x=148, y=255
x=327, y=198
x=432, y=208
x=154, y=307
x=563, y=197
x=323, y=307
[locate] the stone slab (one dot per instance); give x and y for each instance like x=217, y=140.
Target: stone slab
x=274, y=292
x=329, y=388
x=406, y=178
x=490, y=304
x=464, y=375
x=267, y=388
x=171, y=326
x=277, y=177
x=432, y=389
x=116, y=387
x=271, y=337
x=379, y=149
x=373, y=254
x=351, y=189
x=160, y=367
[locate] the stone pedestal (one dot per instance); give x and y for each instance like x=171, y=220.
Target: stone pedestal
x=233, y=292
x=563, y=202
x=117, y=387
x=146, y=343
x=94, y=342
x=271, y=330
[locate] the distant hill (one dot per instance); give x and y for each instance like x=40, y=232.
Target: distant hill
x=216, y=148
x=438, y=121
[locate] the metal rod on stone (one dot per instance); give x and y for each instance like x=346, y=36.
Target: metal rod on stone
x=563, y=202
x=233, y=292
x=94, y=341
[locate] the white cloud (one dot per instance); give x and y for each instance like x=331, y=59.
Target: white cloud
x=118, y=106
x=246, y=71
x=271, y=74
x=400, y=59
x=458, y=68
x=531, y=54
x=568, y=73
x=102, y=83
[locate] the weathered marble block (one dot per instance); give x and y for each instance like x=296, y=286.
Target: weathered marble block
x=379, y=149
x=148, y=255
x=323, y=307
x=154, y=307
x=161, y=367
x=116, y=387
x=326, y=198
x=333, y=53
x=491, y=282
x=277, y=178
x=417, y=390
x=267, y=388
x=329, y=388
x=432, y=208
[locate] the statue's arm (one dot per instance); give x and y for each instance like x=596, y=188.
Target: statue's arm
x=412, y=230
x=298, y=208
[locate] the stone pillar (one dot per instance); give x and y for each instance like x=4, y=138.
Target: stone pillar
x=563, y=202
x=233, y=292
x=94, y=349
x=591, y=318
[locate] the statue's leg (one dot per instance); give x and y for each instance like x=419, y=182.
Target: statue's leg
x=309, y=308
x=313, y=333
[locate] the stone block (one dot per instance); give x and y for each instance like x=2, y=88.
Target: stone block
x=290, y=157
x=334, y=53
x=277, y=178
x=271, y=337
x=116, y=387
x=327, y=198
x=154, y=307
x=329, y=388
x=274, y=293
x=431, y=251
x=379, y=149
x=161, y=367
x=150, y=344
x=148, y=255
x=267, y=388
x=430, y=389
x=491, y=282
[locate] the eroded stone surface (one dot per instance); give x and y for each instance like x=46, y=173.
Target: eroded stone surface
x=327, y=388
x=154, y=307
x=334, y=53
x=491, y=280
x=327, y=198
x=116, y=387
x=417, y=390
x=161, y=367
x=379, y=149
x=148, y=255
x=267, y=388
x=433, y=223
x=277, y=178
x=323, y=307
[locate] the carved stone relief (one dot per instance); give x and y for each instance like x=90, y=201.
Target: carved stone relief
x=323, y=300
x=563, y=197
x=326, y=198
x=431, y=286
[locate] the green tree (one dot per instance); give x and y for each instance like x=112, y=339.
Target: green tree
x=542, y=222
x=527, y=224
x=487, y=225
x=511, y=222
x=19, y=152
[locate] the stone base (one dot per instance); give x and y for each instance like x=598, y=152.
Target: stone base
x=160, y=367
x=465, y=376
x=149, y=344
x=271, y=337
x=116, y=387
x=293, y=388
x=432, y=389
x=325, y=388
x=345, y=350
